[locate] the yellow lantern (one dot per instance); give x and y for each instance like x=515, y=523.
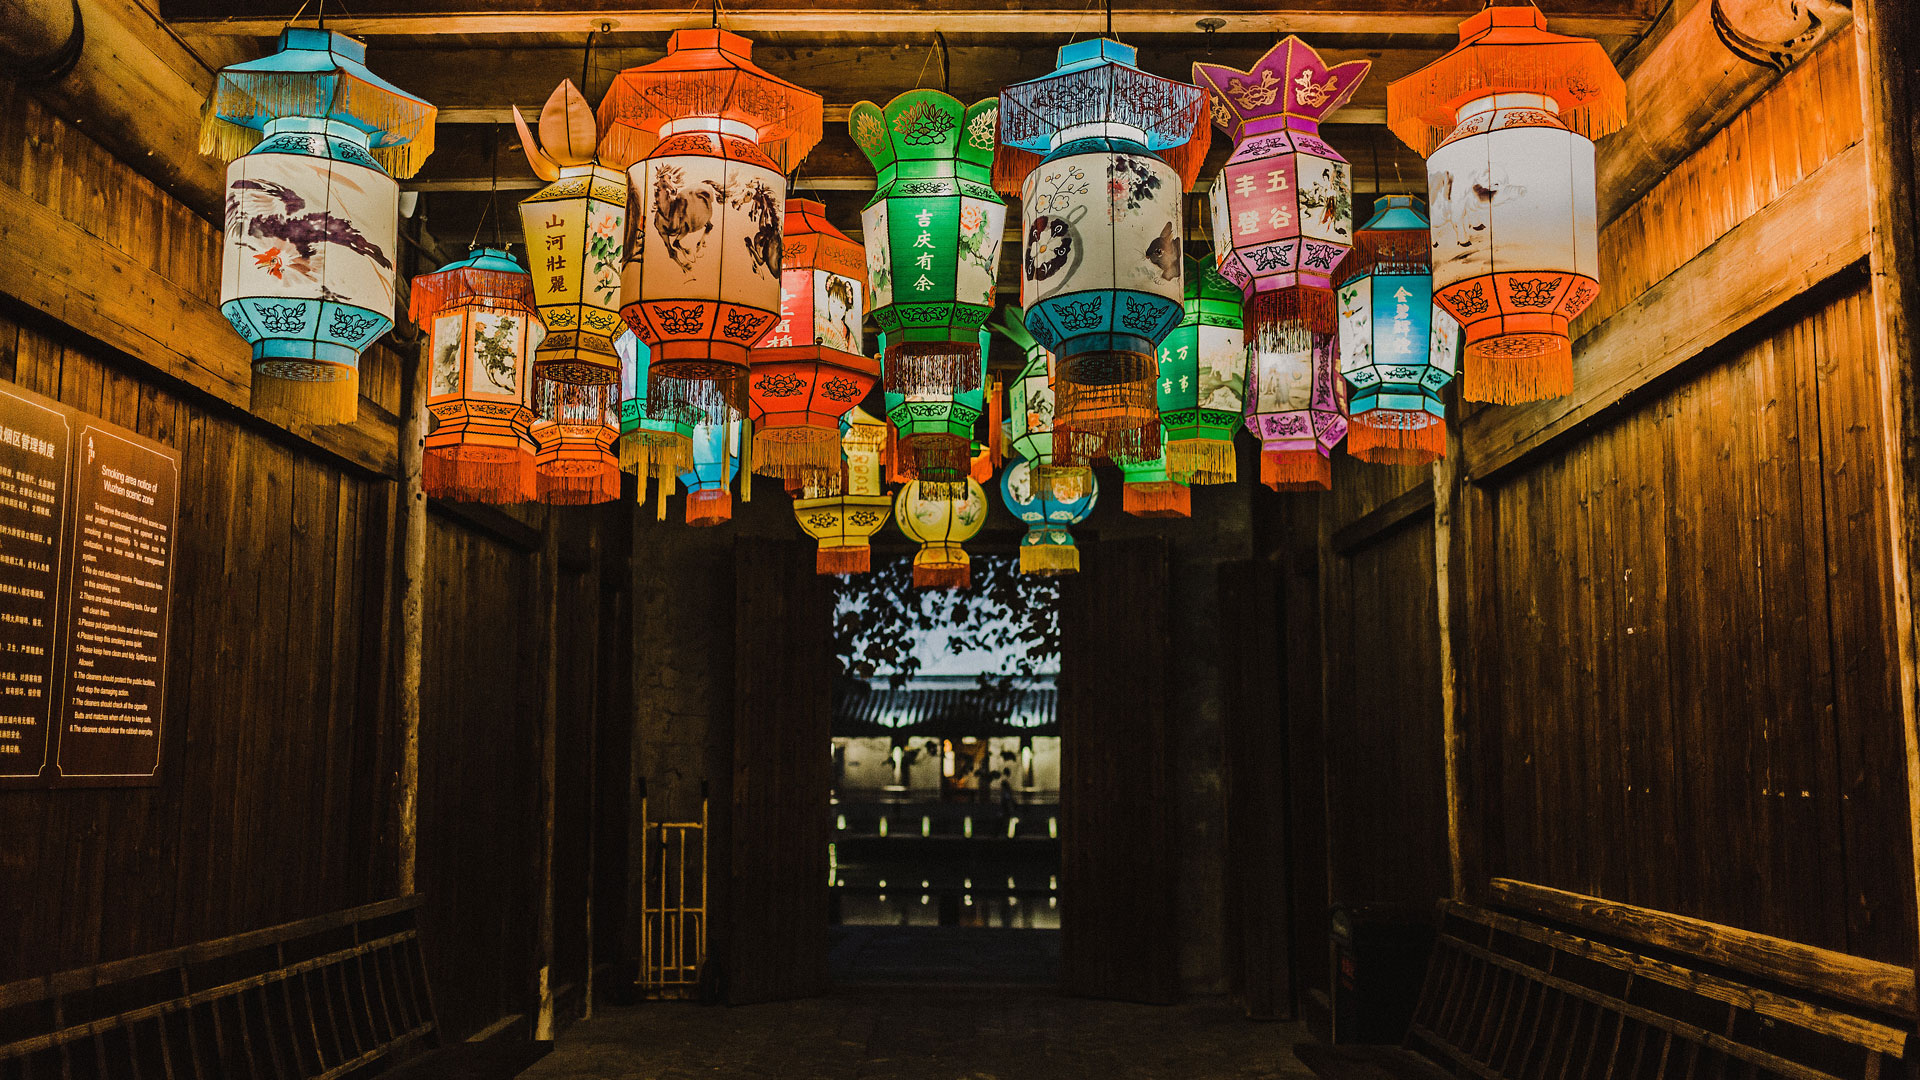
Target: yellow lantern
x=940, y=527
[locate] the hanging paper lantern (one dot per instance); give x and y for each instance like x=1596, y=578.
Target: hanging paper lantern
x=1506, y=121
x=1297, y=408
x=1203, y=372
x=940, y=525
x=478, y=318
x=709, y=483
x=661, y=448
x=1151, y=491
x=1397, y=349
x=573, y=463
x=935, y=429
x=576, y=230
x=710, y=137
x=1048, y=510
x=933, y=231
x=850, y=506
x=312, y=215
x=809, y=369
x=1030, y=399
x=1101, y=276
x=1283, y=203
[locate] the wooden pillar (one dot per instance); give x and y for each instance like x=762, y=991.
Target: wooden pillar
x=413, y=587
x=549, y=653
x=1888, y=40
x=1449, y=566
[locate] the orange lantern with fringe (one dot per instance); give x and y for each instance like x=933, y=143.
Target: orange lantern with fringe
x=574, y=464
x=1507, y=121
x=809, y=369
x=1150, y=491
x=710, y=138
x=478, y=316
x=1283, y=203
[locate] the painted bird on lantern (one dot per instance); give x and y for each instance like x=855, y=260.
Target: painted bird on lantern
x=264, y=210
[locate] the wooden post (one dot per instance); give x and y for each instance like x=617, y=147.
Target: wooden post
x=549, y=767
x=413, y=586
x=1449, y=560
x=1885, y=35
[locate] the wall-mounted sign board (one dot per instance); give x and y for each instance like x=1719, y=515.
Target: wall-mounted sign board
x=88, y=513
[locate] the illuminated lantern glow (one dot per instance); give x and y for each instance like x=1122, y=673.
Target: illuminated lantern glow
x=1102, y=267
x=1049, y=511
x=575, y=230
x=1030, y=399
x=940, y=526
x=935, y=430
x=659, y=448
x=1150, y=491
x=933, y=231
x=710, y=137
x=811, y=368
x=1203, y=377
x=1283, y=203
x=845, y=510
x=1506, y=121
x=709, y=483
x=573, y=462
x=312, y=215
x=1297, y=408
x=478, y=318
x=1397, y=349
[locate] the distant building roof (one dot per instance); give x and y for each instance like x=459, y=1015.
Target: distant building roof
x=946, y=706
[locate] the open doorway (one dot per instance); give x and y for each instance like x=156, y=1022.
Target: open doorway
x=945, y=838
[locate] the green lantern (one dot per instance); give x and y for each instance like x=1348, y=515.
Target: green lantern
x=1151, y=491
x=932, y=234
x=1203, y=376
x=935, y=429
x=1030, y=401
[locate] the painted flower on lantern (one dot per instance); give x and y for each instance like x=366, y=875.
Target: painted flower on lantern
x=478, y=316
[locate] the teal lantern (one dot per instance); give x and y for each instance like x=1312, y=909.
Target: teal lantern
x=932, y=233
x=716, y=456
x=1397, y=349
x=1151, y=491
x=657, y=447
x=935, y=429
x=1048, y=510
x=1203, y=376
x=311, y=232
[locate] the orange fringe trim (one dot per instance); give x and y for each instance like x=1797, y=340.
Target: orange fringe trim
x=1296, y=470
x=709, y=506
x=943, y=576
x=1158, y=499
x=1387, y=437
x=498, y=477
x=1505, y=379
x=843, y=560
x=577, y=487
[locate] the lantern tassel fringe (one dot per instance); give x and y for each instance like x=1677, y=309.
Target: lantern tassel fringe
x=795, y=459
x=1571, y=70
x=1158, y=499
x=702, y=397
x=1048, y=560
x=943, y=576
x=574, y=403
x=1392, y=437
x=1202, y=461
x=403, y=126
x=709, y=506
x=1297, y=305
x=633, y=455
x=430, y=294
x=578, y=487
x=1074, y=447
x=843, y=560
x=297, y=401
x=1514, y=380
x=937, y=460
x=1296, y=470
x=931, y=367
x=447, y=474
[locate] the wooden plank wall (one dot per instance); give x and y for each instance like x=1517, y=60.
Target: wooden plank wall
x=1679, y=686
x=281, y=744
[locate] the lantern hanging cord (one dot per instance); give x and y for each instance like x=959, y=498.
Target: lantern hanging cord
x=586, y=66
x=295, y=17
x=946, y=63
x=493, y=193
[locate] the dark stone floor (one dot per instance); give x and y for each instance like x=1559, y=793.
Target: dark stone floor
x=896, y=1033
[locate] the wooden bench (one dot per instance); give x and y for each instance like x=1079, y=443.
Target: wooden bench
x=342, y=994
x=1575, y=988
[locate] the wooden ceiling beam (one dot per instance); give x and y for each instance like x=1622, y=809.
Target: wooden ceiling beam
x=843, y=17
x=837, y=114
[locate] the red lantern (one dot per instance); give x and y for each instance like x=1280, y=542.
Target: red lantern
x=478, y=316
x=809, y=369
x=711, y=137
